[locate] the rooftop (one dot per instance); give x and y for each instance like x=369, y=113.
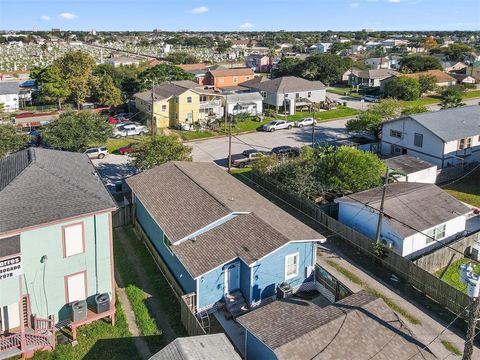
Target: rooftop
x=408, y=164
x=375, y=73
x=437, y=74
x=231, y=72
x=38, y=186
x=9, y=87
x=284, y=84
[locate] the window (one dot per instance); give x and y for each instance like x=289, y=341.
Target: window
x=235, y=79
x=291, y=266
x=164, y=107
x=247, y=77
x=464, y=143
x=73, y=239
x=297, y=96
x=418, y=140
x=189, y=99
x=395, y=133
x=309, y=94
x=221, y=81
x=436, y=233
x=75, y=287
x=264, y=94
x=286, y=96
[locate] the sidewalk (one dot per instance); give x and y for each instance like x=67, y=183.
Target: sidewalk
x=431, y=325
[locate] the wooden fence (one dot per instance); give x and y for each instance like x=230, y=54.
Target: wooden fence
x=122, y=217
x=438, y=290
x=188, y=317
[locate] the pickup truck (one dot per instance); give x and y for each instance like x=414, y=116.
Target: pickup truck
x=247, y=157
x=128, y=130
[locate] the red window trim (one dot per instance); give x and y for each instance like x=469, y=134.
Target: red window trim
x=65, y=278
x=63, y=238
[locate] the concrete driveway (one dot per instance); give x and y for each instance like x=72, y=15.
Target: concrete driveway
x=217, y=149
x=352, y=101
x=114, y=168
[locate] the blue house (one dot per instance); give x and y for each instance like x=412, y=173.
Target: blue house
x=221, y=240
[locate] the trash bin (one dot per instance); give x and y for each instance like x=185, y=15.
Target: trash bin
x=79, y=310
x=344, y=103
x=284, y=290
x=102, y=303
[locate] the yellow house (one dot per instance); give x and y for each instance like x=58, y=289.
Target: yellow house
x=175, y=103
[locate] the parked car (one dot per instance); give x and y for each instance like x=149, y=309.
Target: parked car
x=277, y=125
x=128, y=130
x=247, y=157
x=305, y=122
x=96, y=153
x=371, y=98
x=285, y=150
x=128, y=149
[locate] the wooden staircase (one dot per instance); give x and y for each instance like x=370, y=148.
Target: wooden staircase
x=235, y=304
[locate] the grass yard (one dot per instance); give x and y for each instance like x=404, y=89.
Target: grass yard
x=471, y=94
x=98, y=340
x=424, y=101
x=452, y=274
x=342, y=90
x=193, y=135
x=466, y=189
x=114, y=144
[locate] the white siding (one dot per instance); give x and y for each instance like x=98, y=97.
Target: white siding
x=427, y=176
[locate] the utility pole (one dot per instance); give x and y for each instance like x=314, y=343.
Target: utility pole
x=230, y=145
x=152, y=119
x=380, y=214
x=226, y=113
x=313, y=127
x=474, y=316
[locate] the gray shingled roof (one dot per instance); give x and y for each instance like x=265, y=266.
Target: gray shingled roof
x=9, y=87
x=451, y=124
x=244, y=97
x=407, y=164
x=421, y=206
x=285, y=84
x=375, y=73
x=39, y=186
x=167, y=90
x=184, y=197
x=204, y=347
x=360, y=326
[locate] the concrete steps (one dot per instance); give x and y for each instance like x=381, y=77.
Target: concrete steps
x=235, y=304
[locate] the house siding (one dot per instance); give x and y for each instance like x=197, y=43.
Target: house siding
x=155, y=233
x=255, y=349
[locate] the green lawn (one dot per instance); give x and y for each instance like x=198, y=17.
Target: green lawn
x=424, y=101
x=471, y=94
x=467, y=189
x=114, y=144
x=452, y=274
x=342, y=90
x=193, y=135
x=98, y=340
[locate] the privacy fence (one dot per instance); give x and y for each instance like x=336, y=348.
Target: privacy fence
x=308, y=212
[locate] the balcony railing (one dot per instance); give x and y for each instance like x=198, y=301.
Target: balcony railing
x=210, y=103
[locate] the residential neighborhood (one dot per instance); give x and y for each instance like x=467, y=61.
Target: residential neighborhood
x=241, y=182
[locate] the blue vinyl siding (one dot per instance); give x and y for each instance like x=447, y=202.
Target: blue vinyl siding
x=245, y=281
x=155, y=233
x=256, y=349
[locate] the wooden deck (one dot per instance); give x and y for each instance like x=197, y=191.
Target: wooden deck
x=91, y=317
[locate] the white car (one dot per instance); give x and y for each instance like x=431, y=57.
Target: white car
x=305, y=122
x=371, y=98
x=277, y=125
x=128, y=130
x=96, y=153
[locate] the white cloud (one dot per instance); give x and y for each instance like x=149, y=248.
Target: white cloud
x=199, y=10
x=247, y=25
x=394, y=1
x=354, y=5
x=67, y=16
x=45, y=17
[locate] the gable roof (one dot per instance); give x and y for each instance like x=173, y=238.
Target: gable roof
x=375, y=73
x=231, y=72
x=167, y=90
x=437, y=74
x=38, y=186
x=359, y=324
x=204, y=347
x=451, y=124
x=189, y=67
x=244, y=97
x=9, y=87
x=184, y=197
x=408, y=164
x=421, y=206
x=285, y=84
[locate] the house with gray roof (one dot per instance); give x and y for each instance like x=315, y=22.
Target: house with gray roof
x=9, y=95
x=360, y=326
x=222, y=241
x=371, y=78
x=55, y=246
x=288, y=93
x=444, y=138
x=412, y=169
x=250, y=103
x=419, y=217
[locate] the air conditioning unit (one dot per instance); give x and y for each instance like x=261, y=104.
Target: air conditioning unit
x=79, y=310
x=475, y=251
x=284, y=290
x=388, y=243
x=102, y=303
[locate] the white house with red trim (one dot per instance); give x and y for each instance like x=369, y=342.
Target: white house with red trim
x=56, y=251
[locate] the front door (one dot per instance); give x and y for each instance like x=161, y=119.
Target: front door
x=232, y=278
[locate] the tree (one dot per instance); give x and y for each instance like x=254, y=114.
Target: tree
x=349, y=170
x=417, y=63
x=287, y=67
x=105, y=91
x=161, y=73
x=371, y=119
x=182, y=58
x=76, y=67
x=430, y=43
x=403, y=88
x=159, y=150
x=455, y=52
x=451, y=98
x=327, y=68
x=427, y=83
x=410, y=110
x=11, y=140
x=52, y=84
x=74, y=131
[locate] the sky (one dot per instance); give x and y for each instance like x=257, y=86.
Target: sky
x=238, y=15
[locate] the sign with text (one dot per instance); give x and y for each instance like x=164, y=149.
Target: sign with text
x=10, y=267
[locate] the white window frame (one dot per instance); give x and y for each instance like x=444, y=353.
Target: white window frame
x=394, y=133
x=164, y=108
x=189, y=99
x=288, y=257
